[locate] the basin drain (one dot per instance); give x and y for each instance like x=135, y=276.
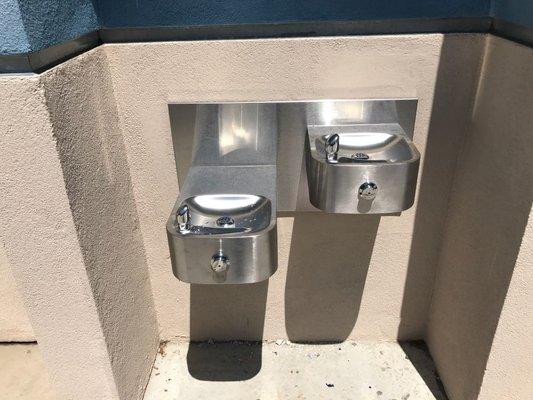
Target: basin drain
x=225, y=221
x=360, y=156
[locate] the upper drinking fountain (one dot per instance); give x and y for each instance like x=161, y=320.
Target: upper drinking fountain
x=359, y=156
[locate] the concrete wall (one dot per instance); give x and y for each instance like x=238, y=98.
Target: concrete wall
x=72, y=242
x=394, y=255
x=485, y=248
x=378, y=285
x=53, y=280
x=511, y=358
x=14, y=323
x=79, y=97
x=87, y=147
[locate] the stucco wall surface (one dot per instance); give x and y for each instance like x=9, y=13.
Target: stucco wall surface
x=79, y=97
x=31, y=25
x=14, y=323
x=511, y=355
x=88, y=180
x=14, y=38
x=378, y=283
x=73, y=240
x=41, y=245
x=485, y=250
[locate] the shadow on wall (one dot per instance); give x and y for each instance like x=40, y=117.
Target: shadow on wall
x=458, y=65
x=328, y=262
x=488, y=212
x=226, y=313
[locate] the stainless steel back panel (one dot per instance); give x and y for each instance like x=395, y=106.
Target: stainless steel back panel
x=292, y=121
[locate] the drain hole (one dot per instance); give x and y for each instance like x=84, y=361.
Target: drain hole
x=360, y=156
x=225, y=221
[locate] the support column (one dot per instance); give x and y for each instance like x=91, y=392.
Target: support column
x=69, y=227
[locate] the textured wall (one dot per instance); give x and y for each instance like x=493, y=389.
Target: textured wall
x=13, y=38
x=66, y=201
x=488, y=214
x=14, y=323
x=517, y=11
x=207, y=12
x=377, y=282
x=31, y=25
x=102, y=183
x=511, y=357
x=35, y=220
x=89, y=142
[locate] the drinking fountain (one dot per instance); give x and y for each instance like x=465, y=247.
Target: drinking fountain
x=222, y=228
x=359, y=158
x=239, y=163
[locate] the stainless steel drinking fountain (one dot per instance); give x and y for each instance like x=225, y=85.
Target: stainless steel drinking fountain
x=359, y=158
x=239, y=163
x=222, y=228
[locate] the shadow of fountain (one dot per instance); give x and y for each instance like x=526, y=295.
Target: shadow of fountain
x=326, y=274
x=226, y=331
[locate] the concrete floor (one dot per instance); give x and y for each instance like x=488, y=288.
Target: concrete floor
x=277, y=370
x=280, y=370
x=22, y=373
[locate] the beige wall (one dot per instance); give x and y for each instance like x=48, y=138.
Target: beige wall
x=68, y=225
x=41, y=245
x=14, y=323
x=97, y=193
x=82, y=110
x=377, y=281
x=482, y=277
x=511, y=355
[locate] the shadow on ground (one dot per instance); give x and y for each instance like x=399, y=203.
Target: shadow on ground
x=418, y=353
x=224, y=361
x=226, y=331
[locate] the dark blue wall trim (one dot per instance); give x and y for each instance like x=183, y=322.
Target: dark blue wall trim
x=518, y=12
x=13, y=38
x=142, y=13
x=51, y=56
x=38, y=61
x=515, y=32
x=38, y=34
x=32, y=25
